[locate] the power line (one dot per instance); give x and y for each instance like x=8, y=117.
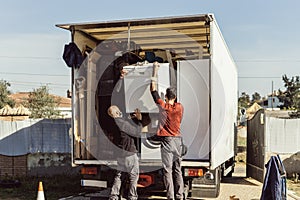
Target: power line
x=264, y=77
x=237, y=60
x=267, y=60
x=31, y=57
x=31, y=86
x=32, y=74
x=53, y=84
x=15, y=73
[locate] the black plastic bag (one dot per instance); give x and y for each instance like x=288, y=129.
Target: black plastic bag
x=72, y=55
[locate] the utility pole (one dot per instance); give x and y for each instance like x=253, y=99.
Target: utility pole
x=272, y=96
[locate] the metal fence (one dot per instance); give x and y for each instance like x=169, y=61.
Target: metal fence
x=35, y=136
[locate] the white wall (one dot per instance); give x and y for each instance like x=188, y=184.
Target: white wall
x=282, y=135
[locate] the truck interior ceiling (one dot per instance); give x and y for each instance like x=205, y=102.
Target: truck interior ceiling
x=183, y=35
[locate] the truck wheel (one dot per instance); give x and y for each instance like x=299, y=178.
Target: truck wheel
x=218, y=182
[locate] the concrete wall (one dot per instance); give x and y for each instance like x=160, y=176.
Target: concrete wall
x=39, y=164
x=48, y=164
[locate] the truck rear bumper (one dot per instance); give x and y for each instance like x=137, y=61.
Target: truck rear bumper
x=93, y=183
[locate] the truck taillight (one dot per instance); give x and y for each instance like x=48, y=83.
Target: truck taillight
x=89, y=170
x=193, y=172
x=145, y=180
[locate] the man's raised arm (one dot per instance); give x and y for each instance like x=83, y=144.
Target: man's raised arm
x=154, y=77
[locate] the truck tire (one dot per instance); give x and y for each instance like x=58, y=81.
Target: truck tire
x=218, y=182
x=216, y=191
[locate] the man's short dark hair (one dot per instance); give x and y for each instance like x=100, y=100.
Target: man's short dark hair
x=171, y=93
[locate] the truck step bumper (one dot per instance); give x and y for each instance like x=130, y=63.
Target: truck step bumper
x=93, y=183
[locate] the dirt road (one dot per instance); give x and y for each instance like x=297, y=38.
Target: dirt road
x=240, y=186
x=243, y=188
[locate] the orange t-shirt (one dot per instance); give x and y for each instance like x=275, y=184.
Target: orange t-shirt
x=170, y=117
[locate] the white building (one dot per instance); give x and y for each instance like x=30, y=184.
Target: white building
x=272, y=102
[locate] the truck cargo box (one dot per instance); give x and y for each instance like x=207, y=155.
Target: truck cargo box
x=194, y=58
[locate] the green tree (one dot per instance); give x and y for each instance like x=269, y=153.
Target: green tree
x=291, y=96
x=255, y=97
x=41, y=104
x=4, y=92
x=244, y=100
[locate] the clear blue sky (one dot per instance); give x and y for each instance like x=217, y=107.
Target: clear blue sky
x=263, y=37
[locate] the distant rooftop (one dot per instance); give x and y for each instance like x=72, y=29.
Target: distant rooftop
x=17, y=111
x=21, y=96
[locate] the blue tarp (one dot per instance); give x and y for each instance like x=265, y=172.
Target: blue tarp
x=35, y=136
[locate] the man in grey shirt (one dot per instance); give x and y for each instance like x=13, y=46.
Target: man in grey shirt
x=128, y=162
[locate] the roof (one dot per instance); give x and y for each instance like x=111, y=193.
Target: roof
x=253, y=109
x=17, y=111
x=22, y=96
x=179, y=33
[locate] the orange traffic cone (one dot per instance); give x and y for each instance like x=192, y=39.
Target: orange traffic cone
x=40, y=194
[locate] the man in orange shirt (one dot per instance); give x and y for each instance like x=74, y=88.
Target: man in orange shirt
x=171, y=114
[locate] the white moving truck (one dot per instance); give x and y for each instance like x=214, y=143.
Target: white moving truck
x=194, y=58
